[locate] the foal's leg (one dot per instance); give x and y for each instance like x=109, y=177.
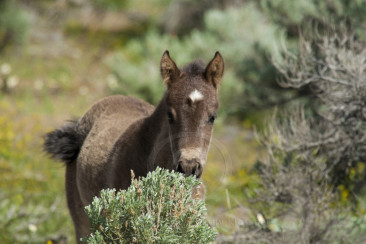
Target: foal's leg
x=76, y=208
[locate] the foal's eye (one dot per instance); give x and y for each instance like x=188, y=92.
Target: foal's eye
x=170, y=116
x=211, y=119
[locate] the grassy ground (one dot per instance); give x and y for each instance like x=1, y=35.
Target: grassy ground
x=33, y=207
x=45, y=90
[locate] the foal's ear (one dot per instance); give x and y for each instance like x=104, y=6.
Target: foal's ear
x=169, y=70
x=215, y=70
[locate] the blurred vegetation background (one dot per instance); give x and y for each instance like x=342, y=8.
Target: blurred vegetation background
x=59, y=57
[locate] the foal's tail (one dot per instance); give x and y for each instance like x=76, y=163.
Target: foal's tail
x=64, y=143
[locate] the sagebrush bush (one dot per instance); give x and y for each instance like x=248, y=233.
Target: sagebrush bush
x=309, y=157
x=333, y=68
x=156, y=209
x=14, y=24
x=246, y=33
x=137, y=70
x=290, y=14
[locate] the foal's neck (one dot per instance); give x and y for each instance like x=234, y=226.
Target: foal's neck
x=158, y=135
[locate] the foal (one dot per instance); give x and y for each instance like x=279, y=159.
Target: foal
x=119, y=134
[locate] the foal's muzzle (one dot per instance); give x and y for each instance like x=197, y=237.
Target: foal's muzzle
x=190, y=167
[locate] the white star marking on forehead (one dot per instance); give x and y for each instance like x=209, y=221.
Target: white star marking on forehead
x=196, y=95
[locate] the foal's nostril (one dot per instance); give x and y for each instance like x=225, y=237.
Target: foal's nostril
x=180, y=168
x=198, y=170
x=194, y=168
x=198, y=167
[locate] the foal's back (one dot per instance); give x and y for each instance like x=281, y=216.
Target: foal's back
x=102, y=125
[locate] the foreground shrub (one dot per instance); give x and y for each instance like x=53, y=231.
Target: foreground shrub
x=155, y=209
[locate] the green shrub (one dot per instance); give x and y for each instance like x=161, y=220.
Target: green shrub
x=291, y=14
x=245, y=47
x=158, y=208
x=14, y=24
x=314, y=165
x=246, y=34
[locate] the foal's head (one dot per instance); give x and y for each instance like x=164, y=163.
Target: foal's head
x=191, y=104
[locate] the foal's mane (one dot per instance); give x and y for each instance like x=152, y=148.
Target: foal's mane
x=194, y=68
